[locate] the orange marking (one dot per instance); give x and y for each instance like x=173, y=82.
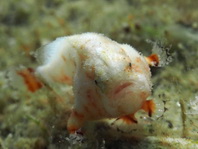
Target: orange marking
x=64, y=58
x=72, y=129
x=121, y=87
x=91, y=74
x=153, y=60
x=138, y=60
x=84, y=44
x=90, y=96
x=93, y=102
x=83, y=57
x=129, y=119
x=30, y=79
x=136, y=68
x=64, y=79
x=149, y=106
x=144, y=95
x=77, y=114
x=86, y=108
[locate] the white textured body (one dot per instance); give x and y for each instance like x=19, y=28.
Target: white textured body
x=109, y=79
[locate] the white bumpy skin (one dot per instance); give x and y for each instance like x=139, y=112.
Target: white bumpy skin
x=109, y=79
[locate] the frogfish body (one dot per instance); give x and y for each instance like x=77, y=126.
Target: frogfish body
x=110, y=80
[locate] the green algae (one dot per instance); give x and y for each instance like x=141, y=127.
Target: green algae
x=39, y=120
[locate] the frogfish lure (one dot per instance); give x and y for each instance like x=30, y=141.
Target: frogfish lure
x=110, y=80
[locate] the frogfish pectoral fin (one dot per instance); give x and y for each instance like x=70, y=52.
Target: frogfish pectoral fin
x=31, y=81
x=75, y=122
x=152, y=60
x=149, y=106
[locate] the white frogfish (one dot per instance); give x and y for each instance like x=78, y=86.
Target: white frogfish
x=110, y=80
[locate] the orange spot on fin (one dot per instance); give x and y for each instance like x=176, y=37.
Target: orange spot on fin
x=129, y=119
x=149, y=106
x=32, y=83
x=72, y=129
x=153, y=60
x=66, y=79
x=75, y=121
